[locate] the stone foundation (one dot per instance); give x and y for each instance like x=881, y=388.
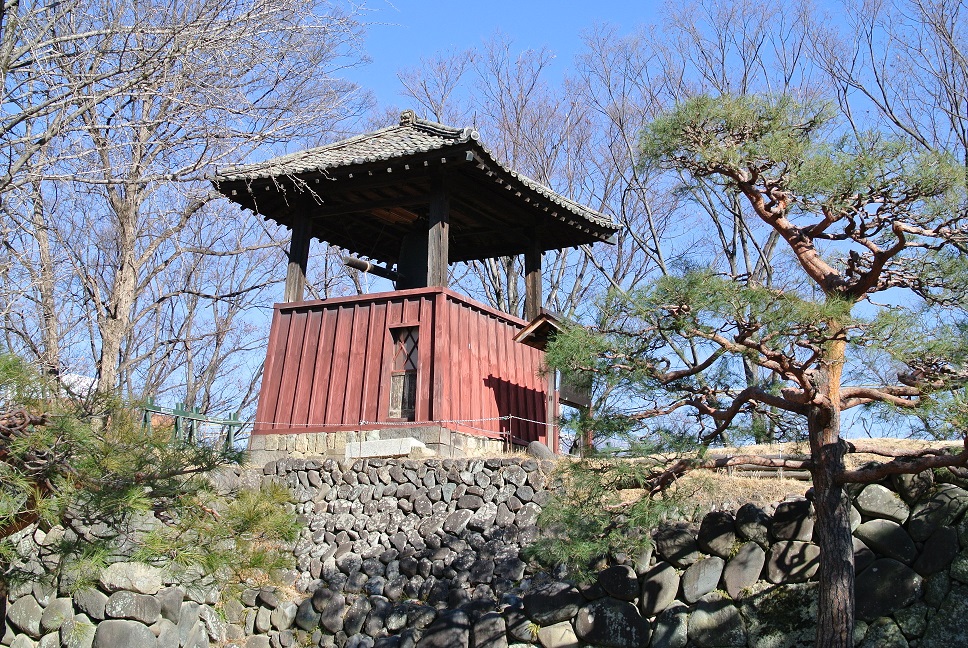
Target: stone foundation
x=428, y=554
x=440, y=441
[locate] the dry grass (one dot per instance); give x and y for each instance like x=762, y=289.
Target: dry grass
x=731, y=488
x=802, y=449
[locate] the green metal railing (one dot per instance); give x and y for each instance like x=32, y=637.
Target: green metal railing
x=189, y=422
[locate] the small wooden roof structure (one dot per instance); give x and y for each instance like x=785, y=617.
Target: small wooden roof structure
x=366, y=194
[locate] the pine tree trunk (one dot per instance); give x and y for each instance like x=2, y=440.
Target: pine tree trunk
x=831, y=532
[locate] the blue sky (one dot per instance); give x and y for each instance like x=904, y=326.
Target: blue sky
x=400, y=32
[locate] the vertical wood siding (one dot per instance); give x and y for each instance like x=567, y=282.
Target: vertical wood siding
x=328, y=366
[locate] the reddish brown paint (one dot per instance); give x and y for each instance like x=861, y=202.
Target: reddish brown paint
x=328, y=366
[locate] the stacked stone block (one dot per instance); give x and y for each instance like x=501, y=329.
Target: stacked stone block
x=133, y=605
x=427, y=553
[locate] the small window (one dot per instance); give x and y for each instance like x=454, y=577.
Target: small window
x=403, y=375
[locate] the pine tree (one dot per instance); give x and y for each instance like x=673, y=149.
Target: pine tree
x=866, y=316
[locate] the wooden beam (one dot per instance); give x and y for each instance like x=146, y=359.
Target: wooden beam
x=298, y=259
x=438, y=235
x=366, y=205
x=532, y=279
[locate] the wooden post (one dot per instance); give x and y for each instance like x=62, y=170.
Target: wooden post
x=551, y=410
x=298, y=259
x=532, y=279
x=438, y=236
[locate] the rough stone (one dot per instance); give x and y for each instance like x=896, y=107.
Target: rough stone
x=873, y=600
x=676, y=543
x=936, y=588
x=483, y=518
x=942, y=508
x=792, y=562
x=456, y=522
x=793, y=521
x=187, y=619
x=133, y=576
x=876, y=501
x=938, y=552
x=257, y=641
x=620, y=581
x=283, y=616
x=552, y=603
x=701, y=578
x=22, y=641
x=753, y=523
x=743, y=569
x=716, y=623
x=307, y=618
x=120, y=632
x=559, y=635
x=913, y=487
x=24, y=615
x=197, y=636
x=489, y=631
x=672, y=627
x=863, y=556
x=540, y=451
x=717, y=533
x=643, y=561
x=611, y=623
x=912, y=620
x=659, y=587
x=170, y=600
x=349, y=563
x=268, y=598
x=888, y=539
x=781, y=617
x=136, y=607
x=263, y=621
x=472, y=502
x=947, y=628
x=57, y=612
x=78, y=632
x=883, y=633
x=450, y=630
x=855, y=518
x=527, y=515
x=215, y=625
x=91, y=602
x=330, y=606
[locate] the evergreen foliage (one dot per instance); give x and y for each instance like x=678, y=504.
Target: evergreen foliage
x=867, y=315
x=589, y=519
x=103, y=487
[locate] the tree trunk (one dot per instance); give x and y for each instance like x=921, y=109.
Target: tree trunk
x=835, y=613
x=121, y=294
x=831, y=532
x=46, y=287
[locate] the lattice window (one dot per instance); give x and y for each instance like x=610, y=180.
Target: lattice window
x=403, y=375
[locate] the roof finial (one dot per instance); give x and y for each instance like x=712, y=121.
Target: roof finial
x=408, y=118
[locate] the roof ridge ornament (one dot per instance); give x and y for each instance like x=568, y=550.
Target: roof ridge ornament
x=408, y=118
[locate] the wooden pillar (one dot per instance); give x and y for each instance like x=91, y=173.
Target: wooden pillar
x=551, y=410
x=438, y=236
x=532, y=279
x=298, y=259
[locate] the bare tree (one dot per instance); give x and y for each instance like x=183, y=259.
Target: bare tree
x=151, y=273
x=903, y=65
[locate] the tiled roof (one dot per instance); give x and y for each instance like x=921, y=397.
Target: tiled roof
x=412, y=136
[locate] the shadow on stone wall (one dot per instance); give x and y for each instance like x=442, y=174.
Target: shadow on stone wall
x=399, y=553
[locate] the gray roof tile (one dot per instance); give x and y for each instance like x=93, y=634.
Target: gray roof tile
x=411, y=136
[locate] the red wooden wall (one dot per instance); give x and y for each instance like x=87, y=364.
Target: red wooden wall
x=328, y=366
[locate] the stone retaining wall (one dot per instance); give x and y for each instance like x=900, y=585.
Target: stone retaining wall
x=400, y=553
